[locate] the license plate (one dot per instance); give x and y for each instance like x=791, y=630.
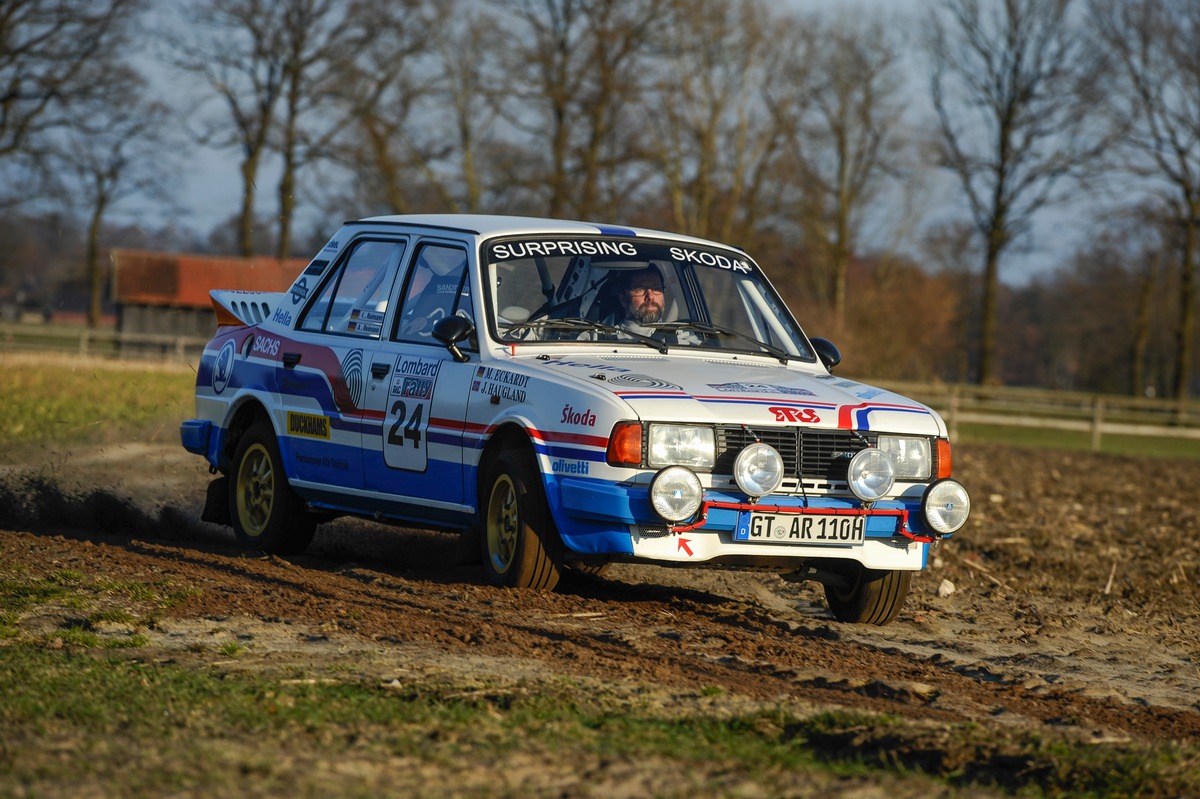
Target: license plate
x=812, y=529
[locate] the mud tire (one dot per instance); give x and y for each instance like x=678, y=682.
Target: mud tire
x=871, y=596
x=265, y=512
x=520, y=545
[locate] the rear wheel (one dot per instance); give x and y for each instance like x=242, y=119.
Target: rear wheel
x=868, y=596
x=520, y=545
x=265, y=512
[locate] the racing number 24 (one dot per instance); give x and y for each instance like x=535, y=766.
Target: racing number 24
x=412, y=430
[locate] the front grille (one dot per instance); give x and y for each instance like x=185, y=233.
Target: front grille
x=808, y=454
x=732, y=440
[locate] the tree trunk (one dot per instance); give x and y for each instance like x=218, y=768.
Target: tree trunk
x=988, y=322
x=246, y=222
x=94, y=273
x=1185, y=335
x=1141, y=335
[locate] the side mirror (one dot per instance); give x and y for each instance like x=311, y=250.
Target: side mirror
x=826, y=351
x=450, y=331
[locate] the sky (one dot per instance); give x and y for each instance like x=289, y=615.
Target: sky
x=210, y=187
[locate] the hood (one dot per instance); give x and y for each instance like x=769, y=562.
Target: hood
x=754, y=392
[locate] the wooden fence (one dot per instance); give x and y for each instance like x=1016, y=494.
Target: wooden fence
x=1091, y=414
x=99, y=342
x=1095, y=415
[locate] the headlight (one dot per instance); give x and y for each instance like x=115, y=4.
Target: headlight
x=681, y=445
x=871, y=474
x=910, y=456
x=758, y=469
x=946, y=506
x=675, y=493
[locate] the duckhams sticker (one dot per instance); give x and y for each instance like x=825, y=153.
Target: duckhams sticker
x=309, y=425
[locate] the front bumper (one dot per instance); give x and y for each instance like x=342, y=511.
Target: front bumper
x=195, y=435
x=597, y=517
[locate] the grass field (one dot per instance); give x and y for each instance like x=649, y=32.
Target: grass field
x=82, y=718
x=63, y=400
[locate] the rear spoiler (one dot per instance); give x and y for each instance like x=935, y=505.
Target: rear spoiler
x=238, y=308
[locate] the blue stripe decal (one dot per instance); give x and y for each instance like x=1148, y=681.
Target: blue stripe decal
x=863, y=416
x=613, y=230
x=571, y=453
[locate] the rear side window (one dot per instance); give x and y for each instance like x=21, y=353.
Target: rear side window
x=353, y=300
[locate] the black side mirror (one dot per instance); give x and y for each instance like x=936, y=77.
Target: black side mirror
x=452, y=330
x=827, y=352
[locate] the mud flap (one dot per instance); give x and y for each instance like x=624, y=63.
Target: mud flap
x=216, y=504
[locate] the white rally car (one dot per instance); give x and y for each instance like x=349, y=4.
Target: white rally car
x=574, y=394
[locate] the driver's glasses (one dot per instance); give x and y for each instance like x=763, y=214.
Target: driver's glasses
x=647, y=290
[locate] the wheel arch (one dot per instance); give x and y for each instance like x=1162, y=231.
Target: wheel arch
x=506, y=438
x=247, y=412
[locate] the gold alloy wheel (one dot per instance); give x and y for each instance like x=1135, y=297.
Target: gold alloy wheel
x=255, y=490
x=503, y=520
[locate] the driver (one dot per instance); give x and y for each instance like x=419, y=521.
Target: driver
x=642, y=297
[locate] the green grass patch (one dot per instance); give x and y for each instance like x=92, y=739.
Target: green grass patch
x=1149, y=446
x=195, y=727
x=22, y=593
x=85, y=400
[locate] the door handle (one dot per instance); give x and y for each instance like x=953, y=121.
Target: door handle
x=380, y=370
x=290, y=359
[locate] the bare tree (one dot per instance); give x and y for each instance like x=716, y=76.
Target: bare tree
x=321, y=37
x=114, y=151
x=572, y=69
x=238, y=47
x=1156, y=44
x=713, y=124
x=383, y=91
x=46, y=49
x=1014, y=83
x=845, y=140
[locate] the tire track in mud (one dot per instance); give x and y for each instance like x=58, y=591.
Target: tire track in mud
x=686, y=640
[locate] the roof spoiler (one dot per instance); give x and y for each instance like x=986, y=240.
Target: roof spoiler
x=238, y=308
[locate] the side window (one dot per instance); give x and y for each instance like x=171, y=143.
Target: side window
x=437, y=288
x=354, y=299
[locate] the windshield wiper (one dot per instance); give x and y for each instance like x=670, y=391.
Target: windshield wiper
x=576, y=323
x=717, y=330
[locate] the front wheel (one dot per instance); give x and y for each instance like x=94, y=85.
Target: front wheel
x=868, y=596
x=520, y=545
x=266, y=514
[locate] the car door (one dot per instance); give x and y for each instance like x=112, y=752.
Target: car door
x=321, y=381
x=416, y=390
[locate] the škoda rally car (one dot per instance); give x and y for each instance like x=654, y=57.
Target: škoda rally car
x=572, y=394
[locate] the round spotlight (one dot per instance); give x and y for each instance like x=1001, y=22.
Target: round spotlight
x=871, y=474
x=758, y=469
x=946, y=506
x=676, y=493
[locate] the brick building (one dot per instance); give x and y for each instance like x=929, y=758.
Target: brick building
x=167, y=293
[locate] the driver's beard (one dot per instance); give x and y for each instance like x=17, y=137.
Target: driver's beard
x=646, y=314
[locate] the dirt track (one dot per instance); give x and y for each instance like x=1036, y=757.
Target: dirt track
x=1071, y=602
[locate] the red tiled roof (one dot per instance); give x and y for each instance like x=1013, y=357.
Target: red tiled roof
x=142, y=277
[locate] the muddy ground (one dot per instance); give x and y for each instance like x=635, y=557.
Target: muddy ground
x=1070, y=602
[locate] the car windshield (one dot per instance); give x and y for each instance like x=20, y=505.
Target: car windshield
x=640, y=292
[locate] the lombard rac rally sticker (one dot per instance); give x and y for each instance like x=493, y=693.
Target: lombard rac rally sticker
x=223, y=368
